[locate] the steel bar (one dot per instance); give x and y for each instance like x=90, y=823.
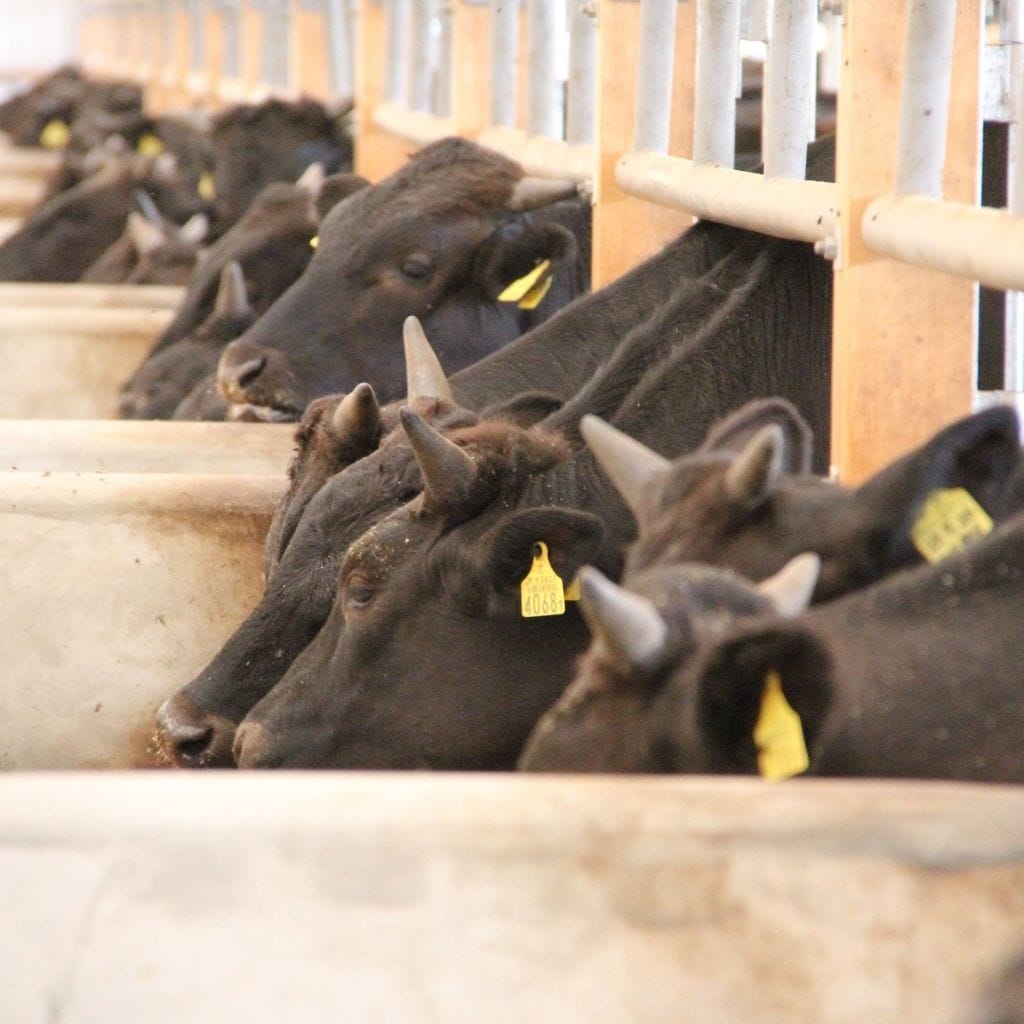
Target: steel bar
x=789, y=88
x=340, y=49
x=956, y=238
x=411, y=125
x=714, y=130
x=423, y=62
x=654, y=84
x=924, y=103
x=582, y=69
x=396, y=83
x=545, y=107
x=546, y=158
x=803, y=210
x=504, y=61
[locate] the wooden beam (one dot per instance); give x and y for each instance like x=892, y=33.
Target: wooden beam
x=627, y=230
x=311, y=69
x=471, y=68
x=903, y=349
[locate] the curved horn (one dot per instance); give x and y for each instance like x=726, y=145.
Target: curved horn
x=312, y=179
x=424, y=377
x=756, y=468
x=531, y=192
x=357, y=417
x=195, y=229
x=632, y=467
x=144, y=234
x=791, y=588
x=448, y=472
x=232, y=298
x=629, y=627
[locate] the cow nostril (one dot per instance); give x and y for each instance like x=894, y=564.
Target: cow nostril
x=192, y=739
x=191, y=744
x=249, y=370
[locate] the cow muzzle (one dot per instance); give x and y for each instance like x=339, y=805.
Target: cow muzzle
x=252, y=748
x=258, y=380
x=191, y=738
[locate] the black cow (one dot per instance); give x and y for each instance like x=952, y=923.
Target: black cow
x=918, y=676
x=734, y=507
x=439, y=239
x=164, y=382
x=150, y=253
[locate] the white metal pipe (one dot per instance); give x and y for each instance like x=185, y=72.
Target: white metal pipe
x=714, y=130
x=197, y=32
x=276, y=35
x=422, y=65
x=1013, y=36
x=504, y=61
x=582, y=75
x=789, y=88
x=545, y=158
x=957, y=238
x=803, y=210
x=924, y=104
x=232, y=40
x=442, y=91
x=411, y=125
x=545, y=106
x=654, y=82
x=398, y=51
x=339, y=52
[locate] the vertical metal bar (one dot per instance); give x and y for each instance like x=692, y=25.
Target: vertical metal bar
x=504, y=61
x=421, y=75
x=442, y=91
x=714, y=130
x=1013, y=35
x=396, y=89
x=654, y=83
x=197, y=35
x=582, y=69
x=924, y=104
x=232, y=39
x=339, y=43
x=545, y=106
x=789, y=88
x=276, y=42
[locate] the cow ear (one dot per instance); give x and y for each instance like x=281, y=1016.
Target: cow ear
x=736, y=431
x=572, y=538
x=336, y=188
x=525, y=409
x=730, y=679
x=516, y=249
x=980, y=453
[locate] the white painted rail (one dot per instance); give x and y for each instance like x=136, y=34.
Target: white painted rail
x=134, y=446
x=502, y=899
x=116, y=590
x=90, y=296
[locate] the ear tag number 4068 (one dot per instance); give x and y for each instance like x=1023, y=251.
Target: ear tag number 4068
x=541, y=593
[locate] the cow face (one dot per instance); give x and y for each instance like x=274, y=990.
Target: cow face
x=441, y=574
x=436, y=240
x=272, y=141
x=607, y=719
x=743, y=499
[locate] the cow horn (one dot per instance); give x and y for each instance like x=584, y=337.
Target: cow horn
x=531, y=192
x=629, y=627
x=756, y=468
x=232, y=299
x=195, y=229
x=358, y=415
x=312, y=179
x=448, y=472
x=791, y=588
x=631, y=466
x=424, y=377
x=144, y=234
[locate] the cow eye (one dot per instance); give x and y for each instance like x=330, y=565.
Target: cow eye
x=416, y=269
x=359, y=593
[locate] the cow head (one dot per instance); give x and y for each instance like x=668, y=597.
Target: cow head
x=440, y=240
x=272, y=141
x=151, y=252
x=745, y=500
x=607, y=719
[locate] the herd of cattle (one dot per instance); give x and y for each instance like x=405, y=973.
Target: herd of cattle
x=572, y=531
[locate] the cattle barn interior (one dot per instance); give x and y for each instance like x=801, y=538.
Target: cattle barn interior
x=709, y=223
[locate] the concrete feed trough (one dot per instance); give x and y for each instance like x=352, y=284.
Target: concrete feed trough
x=45, y=296
x=70, y=363
x=350, y=897
x=133, y=446
x=20, y=195
x=116, y=590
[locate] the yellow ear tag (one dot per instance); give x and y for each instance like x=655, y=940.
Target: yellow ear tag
x=519, y=289
x=55, y=135
x=314, y=241
x=205, y=187
x=778, y=735
x=149, y=145
x=541, y=592
x=572, y=592
x=949, y=520
x=533, y=298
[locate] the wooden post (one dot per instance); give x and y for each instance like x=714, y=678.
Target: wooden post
x=627, y=230
x=214, y=55
x=471, y=68
x=310, y=66
x=252, y=46
x=903, y=349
